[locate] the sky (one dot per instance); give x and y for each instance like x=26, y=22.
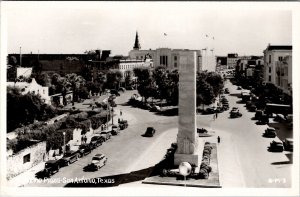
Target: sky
x=74, y=27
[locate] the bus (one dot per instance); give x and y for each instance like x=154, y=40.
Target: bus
x=278, y=109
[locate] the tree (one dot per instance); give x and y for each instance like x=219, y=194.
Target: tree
x=146, y=84
x=43, y=79
x=76, y=82
x=114, y=78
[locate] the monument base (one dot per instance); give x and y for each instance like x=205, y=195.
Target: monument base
x=193, y=159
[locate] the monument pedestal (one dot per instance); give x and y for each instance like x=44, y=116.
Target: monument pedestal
x=193, y=159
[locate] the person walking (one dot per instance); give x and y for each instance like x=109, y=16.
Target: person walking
x=216, y=115
x=219, y=139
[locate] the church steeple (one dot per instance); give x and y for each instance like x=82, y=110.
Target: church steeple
x=137, y=45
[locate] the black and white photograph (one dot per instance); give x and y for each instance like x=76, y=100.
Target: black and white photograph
x=149, y=98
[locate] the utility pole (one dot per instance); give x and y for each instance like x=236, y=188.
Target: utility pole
x=20, y=56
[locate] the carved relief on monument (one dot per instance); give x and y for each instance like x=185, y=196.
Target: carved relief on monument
x=186, y=146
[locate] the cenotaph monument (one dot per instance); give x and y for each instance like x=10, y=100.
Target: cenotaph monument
x=189, y=147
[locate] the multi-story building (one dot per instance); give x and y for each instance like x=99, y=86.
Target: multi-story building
x=232, y=58
x=283, y=79
x=126, y=65
x=274, y=54
x=164, y=56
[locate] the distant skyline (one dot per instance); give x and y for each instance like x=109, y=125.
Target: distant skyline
x=74, y=27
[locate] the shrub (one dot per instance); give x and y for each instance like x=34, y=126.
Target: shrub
x=206, y=143
x=203, y=174
x=207, y=152
x=206, y=167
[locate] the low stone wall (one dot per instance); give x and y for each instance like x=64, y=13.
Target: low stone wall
x=25, y=159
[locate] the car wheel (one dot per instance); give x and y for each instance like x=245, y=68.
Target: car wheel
x=68, y=163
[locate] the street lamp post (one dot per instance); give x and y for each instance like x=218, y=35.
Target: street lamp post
x=64, y=133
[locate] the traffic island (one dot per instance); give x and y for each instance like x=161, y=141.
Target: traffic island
x=170, y=175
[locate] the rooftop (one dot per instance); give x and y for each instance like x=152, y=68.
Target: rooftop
x=279, y=47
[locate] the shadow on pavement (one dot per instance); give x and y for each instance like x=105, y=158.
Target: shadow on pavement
x=236, y=94
x=290, y=161
x=168, y=112
x=115, y=180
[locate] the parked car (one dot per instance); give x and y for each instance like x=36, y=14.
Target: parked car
x=276, y=146
x=252, y=108
x=270, y=132
x=96, y=141
x=84, y=149
x=264, y=119
x=258, y=114
x=105, y=134
x=226, y=91
x=122, y=89
x=210, y=110
x=123, y=124
x=115, y=92
x=149, y=132
x=219, y=109
x=115, y=130
x=279, y=118
x=98, y=161
x=51, y=167
x=288, y=144
x=155, y=108
x=69, y=157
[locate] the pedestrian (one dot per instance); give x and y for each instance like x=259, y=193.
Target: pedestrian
x=216, y=115
x=85, y=139
x=82, y=139
x=120, y=112
x=219, y=139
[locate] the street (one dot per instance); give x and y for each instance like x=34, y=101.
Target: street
x=244, y=160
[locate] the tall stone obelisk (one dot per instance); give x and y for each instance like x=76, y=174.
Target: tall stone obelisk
x=187, y=138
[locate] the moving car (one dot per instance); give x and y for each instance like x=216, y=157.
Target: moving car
x=51, y=167
x=123, y=124
x=276, y=146
x=98, y=161
x=234, y=113
x=270, y=132
x=288, y=144
x=69, y=157
x=149, y=132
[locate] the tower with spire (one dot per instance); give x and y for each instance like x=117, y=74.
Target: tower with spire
x=137, y=45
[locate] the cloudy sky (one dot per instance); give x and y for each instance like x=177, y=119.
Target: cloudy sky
x=73, y=27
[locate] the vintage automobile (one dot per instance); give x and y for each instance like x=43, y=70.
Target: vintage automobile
x=226, y=91
x=51, y=167
x=270, y=132
x=235, y=113
x=288, y=144
x=149, y=132
x=84, y=149
x=276, y=146
x=106, y=134
x=69, y=157
x=123, y=124
x=98, y=161
x=115, y=130
x=96, y=141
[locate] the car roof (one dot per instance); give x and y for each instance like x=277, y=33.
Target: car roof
x=289, y=139
x=271, y=128
x=52, y=161
x=99, y=155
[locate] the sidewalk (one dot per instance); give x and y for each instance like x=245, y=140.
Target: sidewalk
x=24, y=178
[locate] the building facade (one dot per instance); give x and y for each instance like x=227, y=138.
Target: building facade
x=167, y=57
x=232, y=59
x=274, y=56
x=283, y=78
x=126, y=65
x=32, y=87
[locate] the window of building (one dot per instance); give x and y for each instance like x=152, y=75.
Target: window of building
x=175, y=64
x=280, y=58
x=269, y=78
x=43, y=91
x=175, y=58
x=26, y=158
x=269, y=58
x=270, y=69
x=137, y=57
